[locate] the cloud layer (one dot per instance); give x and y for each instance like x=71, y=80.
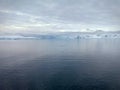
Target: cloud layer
x=59, y=15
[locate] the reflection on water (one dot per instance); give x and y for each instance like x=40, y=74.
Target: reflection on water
x=60, y=65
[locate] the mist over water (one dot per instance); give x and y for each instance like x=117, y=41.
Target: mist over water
x=85, y=64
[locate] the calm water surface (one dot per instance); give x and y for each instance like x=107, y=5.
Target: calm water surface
x=60, y=65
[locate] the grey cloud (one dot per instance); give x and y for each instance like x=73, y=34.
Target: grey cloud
x=95, y=12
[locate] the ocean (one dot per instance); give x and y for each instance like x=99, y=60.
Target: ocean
x=84, y=64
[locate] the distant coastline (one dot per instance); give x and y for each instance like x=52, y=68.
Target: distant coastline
x=63, y=35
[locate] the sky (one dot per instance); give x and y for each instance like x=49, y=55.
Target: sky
x=43, y=16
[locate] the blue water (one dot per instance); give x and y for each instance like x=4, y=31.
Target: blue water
x=92, y=64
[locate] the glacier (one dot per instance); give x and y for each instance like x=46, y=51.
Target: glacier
x=65, y=35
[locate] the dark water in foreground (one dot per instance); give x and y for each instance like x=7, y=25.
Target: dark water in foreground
x=60, y=65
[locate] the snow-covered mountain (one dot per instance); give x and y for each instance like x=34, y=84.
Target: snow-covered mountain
x=62, y=35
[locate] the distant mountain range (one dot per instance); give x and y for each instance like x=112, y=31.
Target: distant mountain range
x=61, y=35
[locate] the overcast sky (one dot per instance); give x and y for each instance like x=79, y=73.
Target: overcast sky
x=59, y=15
